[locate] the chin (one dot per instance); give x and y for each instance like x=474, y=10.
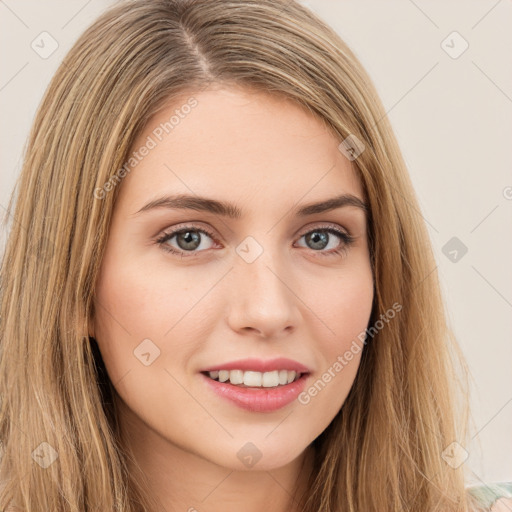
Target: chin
x=254, y=456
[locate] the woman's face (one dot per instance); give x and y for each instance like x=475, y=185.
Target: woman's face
x=259, y=278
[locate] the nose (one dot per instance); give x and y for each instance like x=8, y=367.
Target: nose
x=262, y=298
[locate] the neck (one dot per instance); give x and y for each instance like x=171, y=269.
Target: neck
x=181, y=480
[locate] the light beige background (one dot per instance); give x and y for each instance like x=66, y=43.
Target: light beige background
x=453, y=120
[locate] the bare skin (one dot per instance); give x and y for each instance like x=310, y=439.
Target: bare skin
x=209, y=305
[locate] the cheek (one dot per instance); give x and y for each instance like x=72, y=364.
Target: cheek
x=345, y=309
x=141, y=310
x=127, y=312
x=142, y=301
x=139, y=328
x=345, y=306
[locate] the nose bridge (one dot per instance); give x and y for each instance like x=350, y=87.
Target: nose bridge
x=259, y=268
x=261, y=295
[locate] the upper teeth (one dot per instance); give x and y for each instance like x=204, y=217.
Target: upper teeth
x=255, y=379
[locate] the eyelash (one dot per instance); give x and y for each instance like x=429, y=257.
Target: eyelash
x=346, y=239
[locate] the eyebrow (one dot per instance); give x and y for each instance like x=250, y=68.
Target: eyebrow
x=230, y=210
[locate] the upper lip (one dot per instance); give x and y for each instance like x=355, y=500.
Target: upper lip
x=260, y=365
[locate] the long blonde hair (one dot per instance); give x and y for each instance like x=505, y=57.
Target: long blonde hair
x=384, y=449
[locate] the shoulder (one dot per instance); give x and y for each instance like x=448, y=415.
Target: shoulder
x=495, y=497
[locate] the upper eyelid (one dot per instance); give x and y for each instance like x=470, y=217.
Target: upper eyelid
x=340, y=231
x=195, y=227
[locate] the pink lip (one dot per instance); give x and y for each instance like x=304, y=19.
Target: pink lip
x=258, y=399
x=259, y=365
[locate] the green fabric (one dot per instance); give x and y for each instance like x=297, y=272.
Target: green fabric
x=487, y=494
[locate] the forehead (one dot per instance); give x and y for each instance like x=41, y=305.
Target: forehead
x=239, y=144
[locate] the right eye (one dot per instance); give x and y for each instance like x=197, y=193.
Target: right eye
x=188, y=240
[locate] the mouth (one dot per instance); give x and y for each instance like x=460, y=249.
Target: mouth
x=260, y=392
x=254, y=379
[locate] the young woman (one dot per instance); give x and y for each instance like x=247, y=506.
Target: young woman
x=217, y=293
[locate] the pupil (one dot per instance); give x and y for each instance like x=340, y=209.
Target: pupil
x=191, y=240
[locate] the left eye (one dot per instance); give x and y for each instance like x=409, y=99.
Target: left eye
x=188, y=240
x=320, y=238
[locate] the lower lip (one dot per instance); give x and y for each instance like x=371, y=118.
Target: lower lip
x=258, y=399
